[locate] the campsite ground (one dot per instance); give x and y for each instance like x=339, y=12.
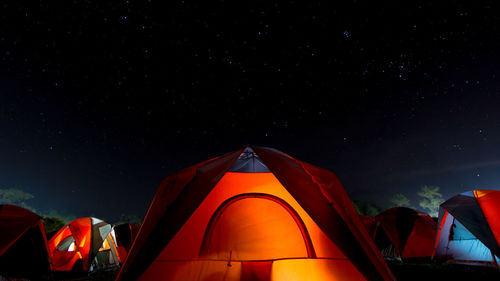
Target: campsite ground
x=455, y=272
x=99, y=276
x=407, y=271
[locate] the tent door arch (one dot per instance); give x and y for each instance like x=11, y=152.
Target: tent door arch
x=256, y=227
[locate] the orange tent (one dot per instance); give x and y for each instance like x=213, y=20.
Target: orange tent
x=253, y=214
x=125, y=234
x=405, y=233
x=23, y=245
x=85, y=244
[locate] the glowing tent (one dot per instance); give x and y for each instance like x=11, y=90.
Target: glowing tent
x=23, y=246
x=253, y=214
x=85, y=244
x=125, y=234
x=469, y=229
x=405, y=233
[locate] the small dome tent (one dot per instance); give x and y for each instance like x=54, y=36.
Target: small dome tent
x=23, y=245
x=253, y=214
x=85, y=244
x=469, y=229
x=125, y=234
x=404, y=233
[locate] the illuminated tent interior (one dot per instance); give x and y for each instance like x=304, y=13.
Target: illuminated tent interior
x=253, y=214
x=125, y=234
x=469, y=229
x=23, y=245
x=85, y=244
x=404, y=233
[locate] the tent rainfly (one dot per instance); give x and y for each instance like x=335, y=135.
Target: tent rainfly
x=404, y=233
x=84, y=245
x=469, y=229
x=253, y=214
x=125, y=234
x=23, y=245
x=370, y=224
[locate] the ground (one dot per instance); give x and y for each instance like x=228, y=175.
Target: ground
x=99, y=276
x=402, y=271
x=431, y=272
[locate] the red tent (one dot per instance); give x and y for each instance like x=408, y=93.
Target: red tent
x=23, y=245
x=410, y=233
x=253, y=214
x=85, y=244
x=370, y=224
x=125, y=234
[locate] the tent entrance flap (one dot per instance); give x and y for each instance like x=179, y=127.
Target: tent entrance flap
x=267, y=228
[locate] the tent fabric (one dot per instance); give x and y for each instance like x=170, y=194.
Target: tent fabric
x=410, y=232
x=468, y=211
x=85, y=244
x=323, y=196
x=217, y=219
x=489, y=202
x=370, y=224
x=23, y=245
x=249, y=162
x=125, y=234
x=468, y=231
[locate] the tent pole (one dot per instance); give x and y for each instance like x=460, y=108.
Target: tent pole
x=494, y=259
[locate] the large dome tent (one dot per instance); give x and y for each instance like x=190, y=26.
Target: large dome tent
x=253, y=213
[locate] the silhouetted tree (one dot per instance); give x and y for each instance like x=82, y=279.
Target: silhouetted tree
x=366, y=208
x=400, y=200
x=63, y=216
x=52, y=224
x=431, y=199
x=133, y=219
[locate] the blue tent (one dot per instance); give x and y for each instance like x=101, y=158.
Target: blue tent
x=465, y=234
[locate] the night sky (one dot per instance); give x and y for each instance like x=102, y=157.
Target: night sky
x=100, y=100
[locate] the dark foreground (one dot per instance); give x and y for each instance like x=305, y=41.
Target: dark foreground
x=442, y=272
x=99, y=276
x=406, y=271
